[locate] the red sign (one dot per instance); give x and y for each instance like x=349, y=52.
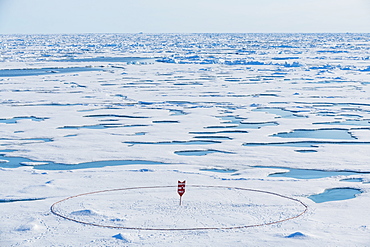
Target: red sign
x=181, y=187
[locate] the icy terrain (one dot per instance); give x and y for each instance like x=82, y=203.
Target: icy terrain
x=282, y=113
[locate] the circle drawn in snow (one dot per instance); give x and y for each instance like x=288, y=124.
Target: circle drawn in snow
x=157, y=208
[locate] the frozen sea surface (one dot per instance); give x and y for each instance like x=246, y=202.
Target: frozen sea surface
x=92, y=112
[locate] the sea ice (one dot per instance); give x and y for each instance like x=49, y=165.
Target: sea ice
x=93, y=112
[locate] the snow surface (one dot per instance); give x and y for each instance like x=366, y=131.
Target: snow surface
x=84, y=113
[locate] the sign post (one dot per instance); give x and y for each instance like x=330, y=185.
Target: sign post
x=181, y=188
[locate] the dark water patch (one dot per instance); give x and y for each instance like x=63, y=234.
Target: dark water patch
x=284, y=58
x=71, y=135
x=109, y=120
x=233, y=79
x=165, y=121
x=214, y=137
x=266, y=94
x=336, y=194
x=360, y=180
x=8, y=200
x=304, y=143
x=219, y=132
x=279, y=73
x=135, y=125
x=147, y=103
x=255, y=125
x=308, y=173
x=317, y=134
x=140, y=133
x=148, y=81
x=15, y=162
x=283, y=144
x=296, y=235
x=221, y=127
x=253, y=80
x=108, y=84
x=102, y=126
x=98, y=126
x=15, y=119
x=306, y=151
x=142, y=170
x=200, y=152
x=220, y=170
x=44, y=71
x=88, y=110
x=96, y=164
x=191, y=142
x=212, y=95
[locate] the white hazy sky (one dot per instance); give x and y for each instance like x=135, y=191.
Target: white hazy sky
x=183, y=16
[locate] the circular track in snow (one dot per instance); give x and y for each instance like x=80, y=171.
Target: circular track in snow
x=157, y=208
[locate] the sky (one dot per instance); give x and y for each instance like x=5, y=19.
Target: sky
x=183, y=16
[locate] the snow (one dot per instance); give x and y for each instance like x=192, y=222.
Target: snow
x=221, y=110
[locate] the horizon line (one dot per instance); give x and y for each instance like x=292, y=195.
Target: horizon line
x=76, y=33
